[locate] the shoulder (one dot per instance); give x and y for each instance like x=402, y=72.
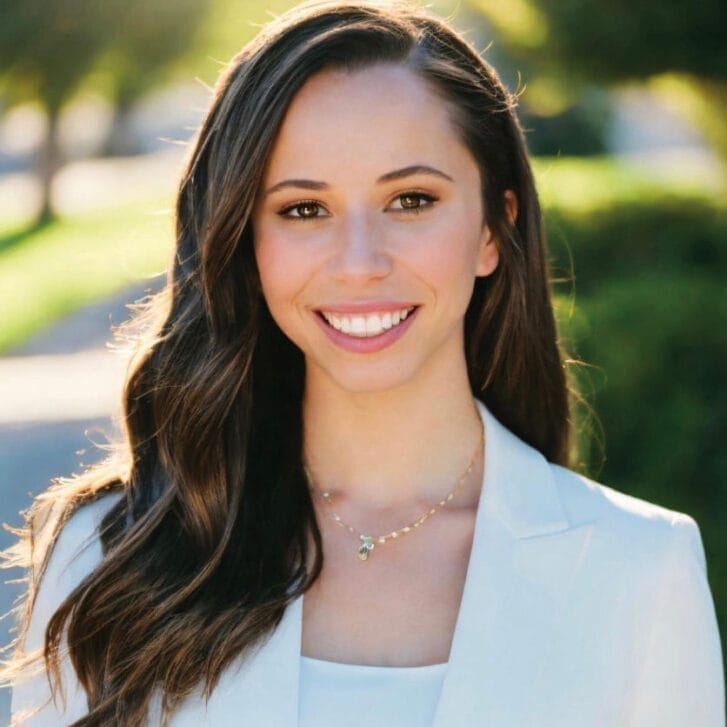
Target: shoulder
x=77, y=549
x=647, y=588
x=625, y=533
x=74, y=554
x=633, y=528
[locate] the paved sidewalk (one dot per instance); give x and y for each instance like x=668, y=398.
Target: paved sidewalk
x=64, y=387
x=69, y=372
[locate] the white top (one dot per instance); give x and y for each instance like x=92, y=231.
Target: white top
x=352, y=695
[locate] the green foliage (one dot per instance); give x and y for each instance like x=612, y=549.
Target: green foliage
x=603, y=42
x=579, y=130
x=562, y=47
x=625, y=40
x=149, y=36
x=46, y=48
x=646, y=239
x=658, y=341
x=232, y=24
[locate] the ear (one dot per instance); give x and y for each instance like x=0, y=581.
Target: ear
x=489, y=255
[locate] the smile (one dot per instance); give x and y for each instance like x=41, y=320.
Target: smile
x=366, y=326
x=369, y=333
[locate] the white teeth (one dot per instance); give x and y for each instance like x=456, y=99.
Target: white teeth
x=372, y=324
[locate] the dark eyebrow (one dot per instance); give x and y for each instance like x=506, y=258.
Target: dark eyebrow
x=410, y=171
x=388, y=177
x=300, y=183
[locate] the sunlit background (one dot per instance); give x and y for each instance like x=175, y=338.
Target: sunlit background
x=624, y=110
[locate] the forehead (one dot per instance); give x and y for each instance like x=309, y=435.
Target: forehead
x=365, y=121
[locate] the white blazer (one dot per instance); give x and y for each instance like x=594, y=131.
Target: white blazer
x=582, y=607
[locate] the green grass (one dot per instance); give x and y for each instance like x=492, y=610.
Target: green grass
x=52, y=271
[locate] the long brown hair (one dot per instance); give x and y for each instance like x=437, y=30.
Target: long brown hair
x=211, y=470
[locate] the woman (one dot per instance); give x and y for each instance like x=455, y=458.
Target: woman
x=345, y=497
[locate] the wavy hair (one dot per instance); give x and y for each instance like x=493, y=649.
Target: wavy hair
x=211, y=468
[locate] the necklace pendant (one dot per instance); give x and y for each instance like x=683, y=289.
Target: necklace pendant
x=365, y=547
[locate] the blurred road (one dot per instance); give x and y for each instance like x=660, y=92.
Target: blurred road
x=58, y=394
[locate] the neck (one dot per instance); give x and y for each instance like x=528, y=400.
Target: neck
x=390, y=450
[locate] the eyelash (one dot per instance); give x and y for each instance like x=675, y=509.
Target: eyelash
x=428, y=198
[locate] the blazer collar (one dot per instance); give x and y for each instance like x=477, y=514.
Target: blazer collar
x=524, y=560
x=518, y=485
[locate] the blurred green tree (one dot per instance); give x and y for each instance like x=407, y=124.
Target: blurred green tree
x=624, y=40
x=46, y=50
x=150, y=37
x=616, y=41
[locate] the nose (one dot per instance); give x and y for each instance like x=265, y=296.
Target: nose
x=359, y=251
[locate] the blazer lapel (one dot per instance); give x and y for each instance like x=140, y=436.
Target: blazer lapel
x=525, y=556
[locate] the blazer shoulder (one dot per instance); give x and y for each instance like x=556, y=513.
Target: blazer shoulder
x=73, y=556
x=647, y=578
x=624, y=518
x=77, y=548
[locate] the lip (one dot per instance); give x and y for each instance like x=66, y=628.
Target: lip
x=366, y=345
x=365, y=306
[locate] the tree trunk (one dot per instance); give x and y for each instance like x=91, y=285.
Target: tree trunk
x=121, y=140
x=49, y=162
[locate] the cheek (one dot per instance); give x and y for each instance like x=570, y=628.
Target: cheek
x=265, y=257
x=277, y=283
x=447, y=257
x=280, y=269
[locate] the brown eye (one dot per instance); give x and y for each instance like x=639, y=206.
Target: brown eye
x=414, y=202
x=408, y=201
x=306, y=210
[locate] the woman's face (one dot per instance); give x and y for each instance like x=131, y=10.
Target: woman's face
x=370, y=206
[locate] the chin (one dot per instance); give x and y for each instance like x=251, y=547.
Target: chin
x=366, y=378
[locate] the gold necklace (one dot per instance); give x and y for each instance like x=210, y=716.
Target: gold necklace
x=367, y=542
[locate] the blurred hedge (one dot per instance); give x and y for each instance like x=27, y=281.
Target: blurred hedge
x=648, y=280
x=662, y=235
